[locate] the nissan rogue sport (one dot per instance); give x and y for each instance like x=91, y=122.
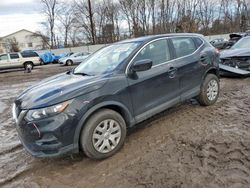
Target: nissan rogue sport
x=90, y=108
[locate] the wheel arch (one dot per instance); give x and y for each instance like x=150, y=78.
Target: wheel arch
x=112, y=105
x=25, y=62
x=212, y=70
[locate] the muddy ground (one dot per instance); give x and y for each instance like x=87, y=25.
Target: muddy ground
x=185, y=146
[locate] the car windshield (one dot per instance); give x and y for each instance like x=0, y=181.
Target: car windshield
x=242, y=43
x=69, y=54
x=106, y=59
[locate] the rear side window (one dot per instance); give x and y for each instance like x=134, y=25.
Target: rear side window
x=183, y=46
x=157, y=51
x=14, y=56
x=29, y=54
x=3, y=57
x=198, y=41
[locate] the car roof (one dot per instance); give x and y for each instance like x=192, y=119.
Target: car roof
x=152, y=37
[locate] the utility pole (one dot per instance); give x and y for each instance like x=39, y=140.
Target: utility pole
x=91, y=22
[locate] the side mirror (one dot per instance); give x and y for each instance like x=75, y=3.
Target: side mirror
x=142, y=65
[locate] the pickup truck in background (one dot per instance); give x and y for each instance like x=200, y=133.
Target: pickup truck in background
x=26, y=60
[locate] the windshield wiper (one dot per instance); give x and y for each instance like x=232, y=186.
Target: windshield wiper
x=70, y=71
x=81, y=73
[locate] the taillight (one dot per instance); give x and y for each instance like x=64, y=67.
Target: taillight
x=217, y=51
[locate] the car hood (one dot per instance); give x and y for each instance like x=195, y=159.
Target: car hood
x=57, y=89
x=235, y=53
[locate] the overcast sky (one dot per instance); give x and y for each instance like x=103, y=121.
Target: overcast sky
x=19, y=14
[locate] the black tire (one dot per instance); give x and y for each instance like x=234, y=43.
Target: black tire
x=69, y=62
x=203, y=97
x=28, y=65
x=87, y=140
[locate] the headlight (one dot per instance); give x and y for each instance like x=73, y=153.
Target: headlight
x=46, y=112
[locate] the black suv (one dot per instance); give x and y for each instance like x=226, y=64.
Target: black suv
x=91, y=107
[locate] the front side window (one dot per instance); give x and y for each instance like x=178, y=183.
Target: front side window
x=157, y=51
x=14, y=56
x=3, y=57
x=183, y=46
x=106, y=59
x=86, y=53
x=77, y=54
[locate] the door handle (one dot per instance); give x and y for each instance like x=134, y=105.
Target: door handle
x=203, y=58
x=172, y=72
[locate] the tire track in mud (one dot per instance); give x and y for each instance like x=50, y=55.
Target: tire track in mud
x=187, y=145
x=217, y=160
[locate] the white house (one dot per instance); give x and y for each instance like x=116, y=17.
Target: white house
x=24, y=39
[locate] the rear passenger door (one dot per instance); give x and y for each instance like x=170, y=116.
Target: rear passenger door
x=15, y=60
x=158, y=88
x=190, y=69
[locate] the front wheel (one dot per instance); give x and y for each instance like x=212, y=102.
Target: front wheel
x=69, y=62
x=210, y=90
x=103, y=135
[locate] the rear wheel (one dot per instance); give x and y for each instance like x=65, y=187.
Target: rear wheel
x=28, y=66
x=69, y=62
x=103, y=134
x=210, y=90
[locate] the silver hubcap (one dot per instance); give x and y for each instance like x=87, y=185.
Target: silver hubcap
x=106, y=136
x=29, y=66
x=212, y=90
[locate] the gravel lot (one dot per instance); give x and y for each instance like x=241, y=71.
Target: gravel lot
x=185, y=146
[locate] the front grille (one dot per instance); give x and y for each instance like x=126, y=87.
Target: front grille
x=241, y=63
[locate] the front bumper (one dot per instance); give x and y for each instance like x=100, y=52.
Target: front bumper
x=233, y=72
x=49, y=137
x=62, y=62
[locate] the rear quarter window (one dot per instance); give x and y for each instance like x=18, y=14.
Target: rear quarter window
x=198, y=41
x=14, y=56
x=183, y=46
x=29, y=54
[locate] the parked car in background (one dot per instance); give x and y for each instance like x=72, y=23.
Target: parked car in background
x=75, y=58
x=89, y=108
x=25, y=59
x=222, y=44
x=68, y=54
x=219, y=43
x=236, y=60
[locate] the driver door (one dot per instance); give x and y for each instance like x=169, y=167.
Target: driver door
x=156, y=89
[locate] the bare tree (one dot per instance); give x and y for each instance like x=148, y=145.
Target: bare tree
x=45, y=40
x=50, y=9
x=67, y=19
x=11, y=44
x=106, y=21
x=85, y=18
